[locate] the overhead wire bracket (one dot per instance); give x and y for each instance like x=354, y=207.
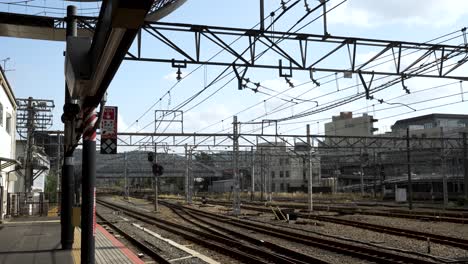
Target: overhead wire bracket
x=282, y=73
x=240, y=76
x=179, y=65
x=311, y=75
x=367, y=87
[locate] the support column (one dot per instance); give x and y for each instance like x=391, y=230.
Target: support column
x=88, y=208
x=465, y=165
x=57, y=169
x=235, y=148
x=125, y=176
x=252, y=195
x=68, y=171
x=309, y=182
x=190, y=177
x=442, y=167
x=376, y=170
x=67, y=179
x=156, y=180
x=186, y=175
x=262, y=175
x=408, y=159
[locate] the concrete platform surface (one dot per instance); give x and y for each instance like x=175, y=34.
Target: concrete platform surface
x=36, y=240
x=32, y=240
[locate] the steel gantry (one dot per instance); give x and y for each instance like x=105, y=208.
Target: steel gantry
x=300, y=51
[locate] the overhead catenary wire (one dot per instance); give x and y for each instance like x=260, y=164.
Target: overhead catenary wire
x=257, y=56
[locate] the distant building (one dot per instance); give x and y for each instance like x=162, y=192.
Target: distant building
x=347, y=125
x=284, y=169
x=432, y=121
x=7, y=141
x=40, y=163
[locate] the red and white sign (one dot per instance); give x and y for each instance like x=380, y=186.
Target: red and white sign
x=109, y=130
x=109, y=122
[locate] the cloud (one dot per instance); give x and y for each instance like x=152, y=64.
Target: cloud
x=372, y=13
x=121, y=124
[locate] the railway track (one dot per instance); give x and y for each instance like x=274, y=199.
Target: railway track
x=218, y=242
x=440, y=239
x=365, y=253
x=140, y=244
x=459, y=218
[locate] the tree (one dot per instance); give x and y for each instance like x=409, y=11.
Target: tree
x=51, y=187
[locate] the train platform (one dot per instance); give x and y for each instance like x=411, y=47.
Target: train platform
x=36, y=240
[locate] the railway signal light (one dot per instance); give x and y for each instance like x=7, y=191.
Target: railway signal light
x=158, y=170
x=150, y=156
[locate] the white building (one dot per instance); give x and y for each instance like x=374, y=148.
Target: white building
x=7, y=141
x=284, y=169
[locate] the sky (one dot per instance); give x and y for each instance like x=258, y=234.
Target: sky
x=36, y=69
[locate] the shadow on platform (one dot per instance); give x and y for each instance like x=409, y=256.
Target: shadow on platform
x=32, y=240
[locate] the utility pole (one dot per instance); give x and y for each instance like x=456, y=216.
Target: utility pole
x=262, y=174
x=442, y=159
x=32, y=115
x=465, y=165
x=309, y=183
x=156, y=180
x=28, y=182
x=376, y=170
x=186, y=174
x=252, y=194
x=408, y=159
x=268, y=178
x=125, y=176
x=235, y=148
x=361, y=172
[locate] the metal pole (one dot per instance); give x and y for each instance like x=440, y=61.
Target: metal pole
x=252, y=195
x=29, y=150
x=268, y=178
x=262, y=175
x=375, y=176
x=190, y=177
x=57, y=170
x=309, y=171
x=88, y=208
x=68, y=168
x=235, y=148
x=186, y=174
x=362, y=173
x=156, y=180
x=262, y=14
x=125, y=176
x=444, y=176
x=465, y=165
x=408, y=159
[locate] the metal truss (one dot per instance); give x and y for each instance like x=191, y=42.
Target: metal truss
x=318, y=142
x=300, y=51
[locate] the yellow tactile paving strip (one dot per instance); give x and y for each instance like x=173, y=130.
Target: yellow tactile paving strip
x=106, y=250
x=76, y=251
x=53, y=211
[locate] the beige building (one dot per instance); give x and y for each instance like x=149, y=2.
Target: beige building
x=347, y=125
